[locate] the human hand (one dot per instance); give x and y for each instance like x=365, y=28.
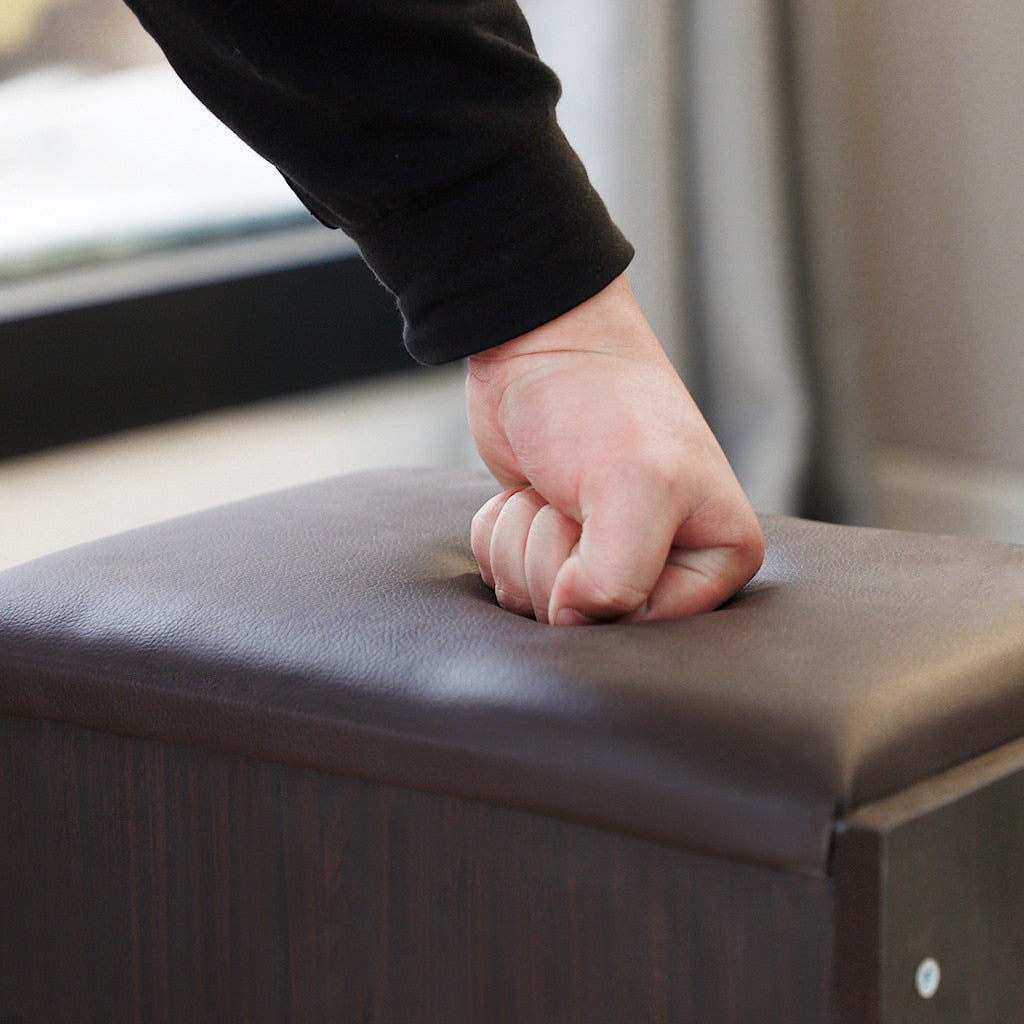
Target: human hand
x=618, y=503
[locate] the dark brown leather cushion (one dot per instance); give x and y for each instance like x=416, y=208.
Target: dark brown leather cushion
x=342, y=626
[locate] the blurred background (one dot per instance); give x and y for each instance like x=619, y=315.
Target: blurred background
x=824, y=197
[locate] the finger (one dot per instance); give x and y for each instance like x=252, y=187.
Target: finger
x=550, y=543
x=480, y=534
x=508, y=550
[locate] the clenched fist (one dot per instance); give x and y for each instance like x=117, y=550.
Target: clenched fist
x=618, y=503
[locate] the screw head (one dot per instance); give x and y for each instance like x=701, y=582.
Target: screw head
x=927, y=978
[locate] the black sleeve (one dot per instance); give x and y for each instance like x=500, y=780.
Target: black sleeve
x=426, y=130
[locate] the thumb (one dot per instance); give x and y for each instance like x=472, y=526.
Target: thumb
x=654, y=569
x=613, y=568
x=697, y=580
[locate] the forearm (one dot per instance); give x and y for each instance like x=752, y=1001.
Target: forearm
x=426, y=130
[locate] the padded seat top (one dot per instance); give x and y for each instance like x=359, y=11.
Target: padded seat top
x=341, y=626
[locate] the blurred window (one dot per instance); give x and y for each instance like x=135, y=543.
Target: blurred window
x=104, y=153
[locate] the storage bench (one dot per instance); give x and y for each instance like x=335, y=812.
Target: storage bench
x=287, y=761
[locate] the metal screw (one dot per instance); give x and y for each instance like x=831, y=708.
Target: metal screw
x=927, y=978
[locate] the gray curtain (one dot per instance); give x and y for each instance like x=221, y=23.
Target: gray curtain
x=706, y=126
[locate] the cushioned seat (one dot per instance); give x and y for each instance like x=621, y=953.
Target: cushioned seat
x=691, y=789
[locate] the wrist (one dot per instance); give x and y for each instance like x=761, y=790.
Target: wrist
x=608, y=323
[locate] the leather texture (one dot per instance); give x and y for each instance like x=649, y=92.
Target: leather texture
x=342, y=627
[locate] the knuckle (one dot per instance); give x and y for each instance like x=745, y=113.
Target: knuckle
x=616, y=597
x=513, y=600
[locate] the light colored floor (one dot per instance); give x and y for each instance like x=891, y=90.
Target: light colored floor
x=74, y=494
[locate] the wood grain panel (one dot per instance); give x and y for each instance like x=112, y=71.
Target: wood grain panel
x=144, y=881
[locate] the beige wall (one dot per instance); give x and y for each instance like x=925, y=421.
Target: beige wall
x=933, y=105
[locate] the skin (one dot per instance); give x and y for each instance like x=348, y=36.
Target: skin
x=618, y=503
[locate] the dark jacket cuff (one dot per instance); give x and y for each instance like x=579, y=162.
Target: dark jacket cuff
x=518, y=244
